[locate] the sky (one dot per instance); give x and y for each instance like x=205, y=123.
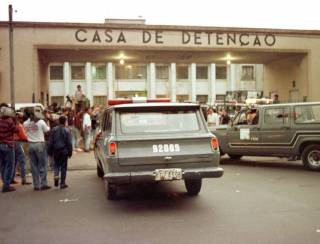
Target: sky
x=290, y=14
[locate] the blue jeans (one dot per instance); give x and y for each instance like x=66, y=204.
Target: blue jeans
x=19, y=158
x=60, y=165
x=6, y=164
x=87, y=139
x=38, y=163
x=74, y=137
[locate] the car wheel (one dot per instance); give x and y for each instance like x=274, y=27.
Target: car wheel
x=311, y=157
x=234, y=156
x=99, y=171
x=112, y=191
x=193, y=186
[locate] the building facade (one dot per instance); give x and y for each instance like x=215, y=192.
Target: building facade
x=129, y=58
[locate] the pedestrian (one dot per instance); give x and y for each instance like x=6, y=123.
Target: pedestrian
x=86, y=126
x=7, y=129
x=224, y=118
x=19, y=138
x=276, y=99
x=36, y=128
x=212, y=118
x=79, y=98
x=60, y=149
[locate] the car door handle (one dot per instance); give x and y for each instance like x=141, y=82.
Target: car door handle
x=285, y=127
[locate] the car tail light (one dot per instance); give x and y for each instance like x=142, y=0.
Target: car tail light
x=214, y=143
x=112, y=148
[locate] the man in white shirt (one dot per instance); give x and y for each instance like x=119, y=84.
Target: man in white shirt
x=86, y=126
x=35, y=128
x=212, y=118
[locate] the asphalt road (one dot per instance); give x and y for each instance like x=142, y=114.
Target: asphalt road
x=269, y=201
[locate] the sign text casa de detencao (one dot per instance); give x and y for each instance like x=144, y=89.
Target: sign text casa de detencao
x=159, y=37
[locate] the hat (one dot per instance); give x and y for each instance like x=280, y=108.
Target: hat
x=7, y=112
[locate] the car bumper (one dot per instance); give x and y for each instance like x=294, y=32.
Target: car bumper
x=148, y=176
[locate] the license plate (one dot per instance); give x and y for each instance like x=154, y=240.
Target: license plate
x=168, y=174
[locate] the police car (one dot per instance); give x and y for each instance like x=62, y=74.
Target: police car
x=152, y=140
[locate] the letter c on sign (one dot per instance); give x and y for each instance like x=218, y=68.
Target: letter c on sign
x=77, y=35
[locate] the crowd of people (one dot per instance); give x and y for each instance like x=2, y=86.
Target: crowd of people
x=215, y=117
x=50, y=137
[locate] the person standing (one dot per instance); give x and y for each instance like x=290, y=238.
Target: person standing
x=79, y=98
x=7, y=129
x=19, y=137
x=36, y=128
x=224, y=118
x=86, y=126
x=212, y=118
x=60, y=148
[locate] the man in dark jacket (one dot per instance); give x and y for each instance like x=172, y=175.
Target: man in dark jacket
x=60, y=148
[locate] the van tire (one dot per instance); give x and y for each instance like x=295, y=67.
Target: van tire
x=111, y=191
x=234, y=156
x=193, y=186
x=311, y=157
x=99, y=171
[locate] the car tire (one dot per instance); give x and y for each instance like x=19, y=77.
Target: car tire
x=234, y=156
x=111, y=191
x=193, y=186
x=99, y=171
x=311, y=157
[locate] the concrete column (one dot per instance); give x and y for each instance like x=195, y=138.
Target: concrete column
x=212, y=84
x=67, y=79
x=89, y=82
x=173, y=82
x=152, y=80
x=193, y=82
x=110, y=80
x=231, y=77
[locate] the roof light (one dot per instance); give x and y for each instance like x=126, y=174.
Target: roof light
x=112, y=102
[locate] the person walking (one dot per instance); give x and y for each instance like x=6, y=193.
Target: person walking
x=36, y=128
x=60, y=148
x=7, y=129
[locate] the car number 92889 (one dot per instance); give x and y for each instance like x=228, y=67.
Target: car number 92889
x=160, y=148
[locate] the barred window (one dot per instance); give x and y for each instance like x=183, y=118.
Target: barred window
x=58, y=99
x=99, y=100
x=202, y=72
x=99, y=72
x=162, y=72
x=127, y=72
x=182, y=72
x=182, y=98
x=56, y=72
x=202, y=99
x=78, y=72
x=221, y=72
x=247, y=72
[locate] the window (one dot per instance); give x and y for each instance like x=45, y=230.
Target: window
x=162, y=72
x=107, y=121
x=307, y=114
x=99, y=100
x=56, y=72
x=159, y=122
x=127, y=72
x=202, y=72
x=59, y=100
x=247, y=72
x=202, y=99
x=182, y=72
x=221, y=72
x=99, y=72
x=77, y=72
x=182, y=98
x=277, y=116
x=129, y=94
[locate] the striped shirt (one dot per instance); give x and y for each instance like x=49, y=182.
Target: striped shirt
x=7, y=129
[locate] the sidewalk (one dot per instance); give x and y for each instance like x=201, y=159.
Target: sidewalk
x=82, y=161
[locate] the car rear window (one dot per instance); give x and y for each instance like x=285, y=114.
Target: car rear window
x=159, y=122
x=305, y=114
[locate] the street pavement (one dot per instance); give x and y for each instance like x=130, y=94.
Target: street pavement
x=258, y=200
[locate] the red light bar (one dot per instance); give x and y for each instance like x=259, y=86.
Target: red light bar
x=112, y=102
